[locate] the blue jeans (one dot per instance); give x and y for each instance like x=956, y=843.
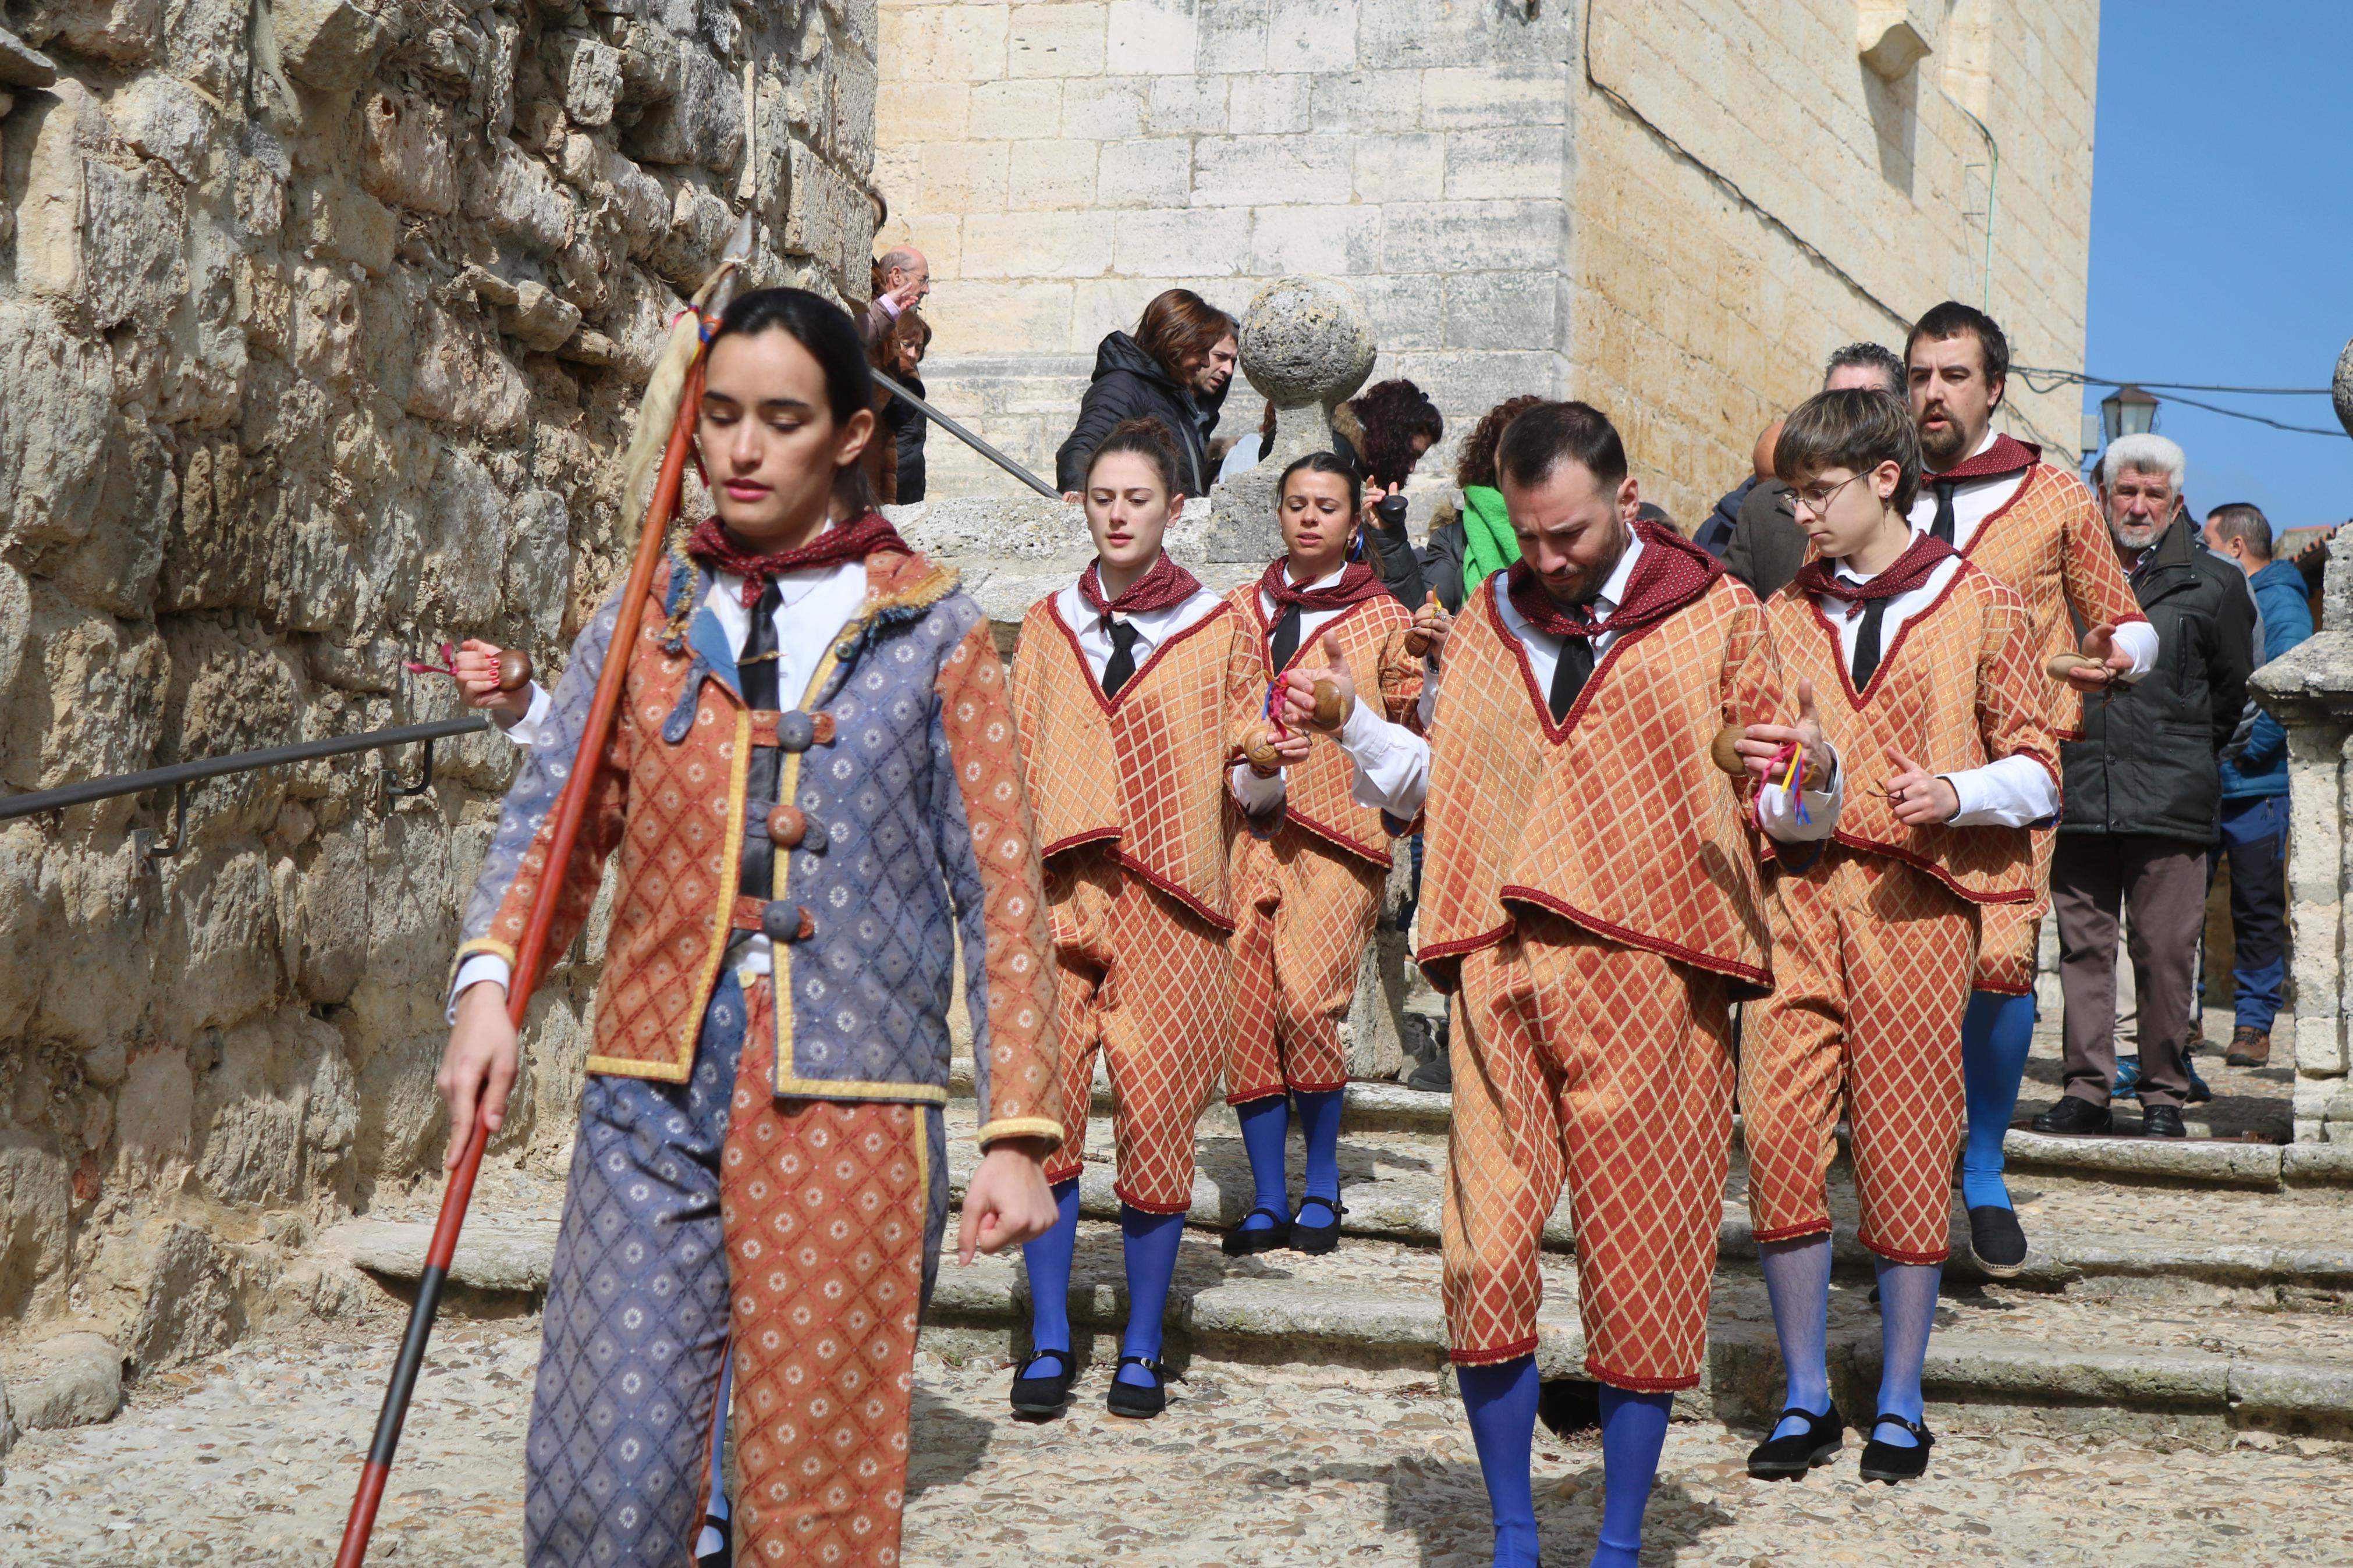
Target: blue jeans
x=2254, y=836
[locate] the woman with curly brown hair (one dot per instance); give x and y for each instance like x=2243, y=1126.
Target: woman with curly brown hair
x=1470, y=544
x=1383, y=432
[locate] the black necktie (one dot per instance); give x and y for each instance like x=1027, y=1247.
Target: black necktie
x=1575, y=667
x=1286, y=640
x=755, y=672
x=1942, y=527
x=1866, y=642
x=1122, y=663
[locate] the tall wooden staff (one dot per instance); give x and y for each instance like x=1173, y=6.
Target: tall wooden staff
x=671, y=401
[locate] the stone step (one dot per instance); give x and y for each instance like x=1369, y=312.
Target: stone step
x=2002, y=1355
x=2197, y=1161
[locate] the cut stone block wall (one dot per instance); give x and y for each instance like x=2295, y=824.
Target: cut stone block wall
x=1683, y=248
x=321, y=327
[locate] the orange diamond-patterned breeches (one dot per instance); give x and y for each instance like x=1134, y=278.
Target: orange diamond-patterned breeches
x=1872, y=960
x=1148, y=983
x=2008, y=933
x=1307, y=909
x=697, y=1211
x=1610, y=1068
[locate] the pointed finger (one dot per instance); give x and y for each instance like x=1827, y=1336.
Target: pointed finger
x=1903, y=764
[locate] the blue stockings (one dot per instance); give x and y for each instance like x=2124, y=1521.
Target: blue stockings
x=1048, y=1260
x=1266, y=1124
x=1149, y=1243
x=1319, y=1124
x=1500, y=1401
x=1633, y=1431
x=1798, y=1281
x=1995, y=1035
x=1907, y=1311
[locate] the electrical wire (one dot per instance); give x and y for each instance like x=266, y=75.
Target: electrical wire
x=2060, y=378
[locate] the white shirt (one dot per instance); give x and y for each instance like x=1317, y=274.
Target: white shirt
x=1975, y=501
x=1544, y=647
x=812, y=609
x=2010, y=791
x=1391, y=763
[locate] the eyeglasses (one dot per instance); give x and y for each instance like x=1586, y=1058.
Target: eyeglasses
x=1818, y=501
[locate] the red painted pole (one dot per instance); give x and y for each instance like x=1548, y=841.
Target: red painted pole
x=570, y=807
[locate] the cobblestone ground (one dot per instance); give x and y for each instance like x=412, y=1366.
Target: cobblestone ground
x=251, y=1460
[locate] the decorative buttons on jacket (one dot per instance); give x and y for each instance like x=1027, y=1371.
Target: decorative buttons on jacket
x=786, y=922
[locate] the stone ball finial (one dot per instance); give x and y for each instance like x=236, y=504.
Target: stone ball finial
x=2343, y=388
x=1307, y=341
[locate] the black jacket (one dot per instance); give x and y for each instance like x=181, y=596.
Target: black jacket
x=1767, y=545
x=1129, y=385
x=908, y=425
x=2148, y=759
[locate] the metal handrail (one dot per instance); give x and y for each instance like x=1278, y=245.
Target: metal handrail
x=971, y=440
x=180, y=774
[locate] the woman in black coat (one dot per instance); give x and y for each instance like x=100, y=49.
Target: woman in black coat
x=1175, y=367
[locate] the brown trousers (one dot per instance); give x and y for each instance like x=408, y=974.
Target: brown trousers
x=2162, y=882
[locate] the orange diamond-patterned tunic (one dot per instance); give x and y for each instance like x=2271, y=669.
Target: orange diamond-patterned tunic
x=1307, y=894
x=1590, y=897
x=2050, y=546
x=1875, y=941
x=1131, y=799
x=763, y=1154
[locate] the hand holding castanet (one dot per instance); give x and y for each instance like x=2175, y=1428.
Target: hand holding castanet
x=1426, y=639
x=1760, y=745
x=1921, y=799
x=2100, y=665
x=492, y=678
x=1320, y=699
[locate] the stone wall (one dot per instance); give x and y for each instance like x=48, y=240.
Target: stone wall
x=1682, y=242
x=321, y=326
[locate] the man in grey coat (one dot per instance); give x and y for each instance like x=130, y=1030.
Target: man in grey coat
x=2143, y=789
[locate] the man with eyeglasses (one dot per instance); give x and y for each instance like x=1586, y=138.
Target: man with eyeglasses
x=2034, y=527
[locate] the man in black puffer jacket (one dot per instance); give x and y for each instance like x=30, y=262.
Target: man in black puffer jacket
x=2143, y=791
x=1176, y=368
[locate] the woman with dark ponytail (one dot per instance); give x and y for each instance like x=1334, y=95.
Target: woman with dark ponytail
x=1306, y=894
x=761, y=1152
x=1129, y=685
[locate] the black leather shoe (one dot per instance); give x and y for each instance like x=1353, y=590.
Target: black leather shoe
x=1240, y=1243
x=2161, y=1122
x=1045, y=1396
x=723, y=1554
x=1892, y=1462
x=1777, y=1458
x=2072, y=1115
x=1998, y=1241
x=1140, y=1403
x=1317, y=1239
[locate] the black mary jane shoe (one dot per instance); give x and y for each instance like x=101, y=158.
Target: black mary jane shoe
x=1778, y=1459
x=1317, y=1239
x=723, y=1554
x=1138, y=1403
x=1045, y=1396
x=1242, y=1243
x=1998, y=1241
x=1891, y=1462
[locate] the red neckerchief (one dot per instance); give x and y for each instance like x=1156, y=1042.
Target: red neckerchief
x=853, y=541
x=1670, y=572
x=2008, y=455
x=1357, y=582
x=1164, y=587
x=1907, y=572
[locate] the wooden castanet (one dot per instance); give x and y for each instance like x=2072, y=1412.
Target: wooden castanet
x=515, y=669
x=2061, y=664
x=1328, y=712
x=1258, y=749
x=1418, y=638
x=1724, y=752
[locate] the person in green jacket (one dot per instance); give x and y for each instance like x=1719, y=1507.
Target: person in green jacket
x=1471, y=542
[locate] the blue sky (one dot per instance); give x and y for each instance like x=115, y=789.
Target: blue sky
x=2222, y=235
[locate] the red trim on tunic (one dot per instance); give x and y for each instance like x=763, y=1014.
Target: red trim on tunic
x=1512, y=1351
x=1619, y=934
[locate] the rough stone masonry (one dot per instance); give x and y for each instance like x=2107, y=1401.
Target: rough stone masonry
x=321, y=325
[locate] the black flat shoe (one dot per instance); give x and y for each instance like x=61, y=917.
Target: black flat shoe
x=1891, y=1462
x=1240, y=1243
x=1777, y=1458
x=2161, y=1122
x=1998, y=1241
x=1317, y=1239
x=1045, y=1396
x=1139, y=1404
x=2073, y=1116
x=723, y=1554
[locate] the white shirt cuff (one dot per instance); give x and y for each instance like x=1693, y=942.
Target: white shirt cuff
x=1392, y=763
x=2137, y=638
x=2011, y=792
x=483, y=966
x=532, y=727
x=1777, y=814
x=1257, y=796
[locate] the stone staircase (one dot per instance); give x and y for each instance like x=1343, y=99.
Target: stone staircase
x=2181, y=1292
